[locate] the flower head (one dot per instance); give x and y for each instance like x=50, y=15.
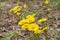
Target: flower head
x=40, y=31
x=46, y=2
x=33, y=27
x=42, y=20
x=13, y=9
x=49, y=9
x=24, y=6
x=31, y=18
x=21, y=22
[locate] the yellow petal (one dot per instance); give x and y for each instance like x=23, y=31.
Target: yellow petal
x=38, y=31
x=33, y=26
x=21, y=22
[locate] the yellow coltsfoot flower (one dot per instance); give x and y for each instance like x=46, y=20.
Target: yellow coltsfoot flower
x=42, y=20
x=40, y=31
x=33, y=26
x=31, y=18
x=24, y=6
x=15, y=9
x=22, y=22
x=46, y=2
x=49, y=9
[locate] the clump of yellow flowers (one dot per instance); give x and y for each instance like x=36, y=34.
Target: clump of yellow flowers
x=29, y=23
x=16, y=10
x=29, y=19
